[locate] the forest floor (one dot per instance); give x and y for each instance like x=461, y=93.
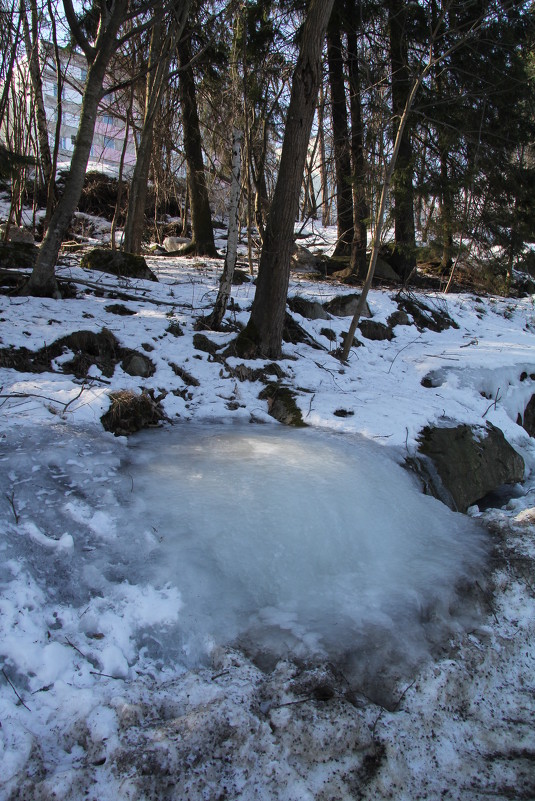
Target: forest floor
x=88, y=711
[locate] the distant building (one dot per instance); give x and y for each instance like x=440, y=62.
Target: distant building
x=110, y=128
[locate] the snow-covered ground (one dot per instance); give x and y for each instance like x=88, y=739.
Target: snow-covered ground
x=91, y=707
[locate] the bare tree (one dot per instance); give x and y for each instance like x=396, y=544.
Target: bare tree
x=262, y=336
x=111, y=15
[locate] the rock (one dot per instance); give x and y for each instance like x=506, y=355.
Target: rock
x=424, y=317
x=304, y=259
x=375, y=331
x=310, y=309
x=345, y=306
x=282, y=405
x=295, y=334
x=130, y=412
x=527, y=421
x=115, y=262
x=174, y=243
x=461, y=464
x=399, y=317
x=136, y=364
x=202, y=342
x=17, y=235
x=16, y=256
x=385, y=271
x=240, y=277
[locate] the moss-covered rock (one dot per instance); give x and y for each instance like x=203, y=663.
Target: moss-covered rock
x=115, y=262
x=282, y=405
x=130, y=412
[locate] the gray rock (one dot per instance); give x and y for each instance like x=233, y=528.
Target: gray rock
x=20, y=236
x=527, y=420
x=310, y=309
x=375, y=331
x=136, y=364
x=115, y=262
x=461, y=464
x=173, y=243
x=345, y=306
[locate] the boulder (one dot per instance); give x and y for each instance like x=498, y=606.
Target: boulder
x=527, y=420
x=17, y=255
x=17, y=235
x=310, y=309
x=345, y=306
x=115, y=262
x=137, y=364
x=282, y=405
x=461, y=464
x=130, y=412
x=375, y=331
x=174, y=243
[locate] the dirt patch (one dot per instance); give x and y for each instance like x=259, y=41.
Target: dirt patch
x=130, y=412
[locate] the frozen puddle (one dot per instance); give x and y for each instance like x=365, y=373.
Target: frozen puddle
x=285, y=543
x=296, y=543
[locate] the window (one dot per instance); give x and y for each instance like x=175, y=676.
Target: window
x=109, y=142
x=108, y=119
x=83, y=73
x=73, y=140
x=63, y=142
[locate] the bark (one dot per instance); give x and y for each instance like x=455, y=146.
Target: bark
x=42, y=281
x=325, y=199
x=215, y=319
x=360, y=204
x=201, y=215
x=341, y=141
x=263, y=335
x=379, y=220
x=405, y=243
x=158, y=67
x=31, y=44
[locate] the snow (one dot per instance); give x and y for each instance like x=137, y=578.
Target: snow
x=119, y=683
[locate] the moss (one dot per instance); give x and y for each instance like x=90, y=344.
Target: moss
x=247, y=343
x=282, y=405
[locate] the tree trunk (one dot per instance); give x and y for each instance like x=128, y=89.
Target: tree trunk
x=42, y=281
x=341, y=142
x=31, y=43
x=360, y=205
x=201, y=215
x=225, y=284
x=405, y=242
x=325, y=199
x=263, y=335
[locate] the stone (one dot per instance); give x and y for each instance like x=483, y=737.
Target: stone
x=345, y=306
x=282, y=405
x=527, y=420
x=130, y=412
x=375, y=331
x=115, y=262
x=17, y=235
x=310, y=309
x=137, y=364
x=174, y=243
x=461, y=464
x=17, y=256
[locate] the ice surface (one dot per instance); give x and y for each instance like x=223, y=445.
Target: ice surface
x=288, y=543
x=297, y=543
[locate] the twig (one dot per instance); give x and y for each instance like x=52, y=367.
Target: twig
x=106, y=675
x=488, y=599
x=75, y=647
x=401, y=351
x=494, y=403
x=6, y=677
x=11, y=499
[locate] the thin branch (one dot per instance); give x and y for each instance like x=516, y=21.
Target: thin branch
x=6, y=677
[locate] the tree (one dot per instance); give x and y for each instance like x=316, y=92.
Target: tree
x=161, y=48
x=202, y=243
x=262, y=336
x=109, y=17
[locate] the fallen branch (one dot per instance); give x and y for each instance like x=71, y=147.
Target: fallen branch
x=11, y=499
x=6, y=677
